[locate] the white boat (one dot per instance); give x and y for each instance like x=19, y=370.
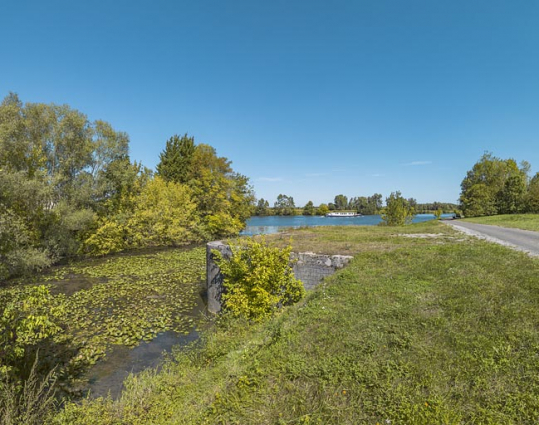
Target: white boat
x=343, y=214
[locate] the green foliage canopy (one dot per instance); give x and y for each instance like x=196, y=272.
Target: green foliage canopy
x=341, y=202
x=67, y=187
x=224, y=199
x=397, y=211
x=176, y=161
x=160, y=213
x=494, y=186
x=532, y=198
x=262, y=207
x=284, y=205
x=308, y=209
x=54, y=176
x=322, y=209
x=366, y=205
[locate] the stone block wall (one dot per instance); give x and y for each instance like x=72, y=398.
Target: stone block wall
x=309, y=267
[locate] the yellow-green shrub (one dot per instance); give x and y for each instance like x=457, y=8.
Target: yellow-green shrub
x=258, y=279
x=163, y=213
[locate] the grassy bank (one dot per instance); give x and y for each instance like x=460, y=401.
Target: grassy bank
x=417, y=329
x=519, y=221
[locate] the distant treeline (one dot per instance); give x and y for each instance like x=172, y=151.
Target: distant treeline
x=68, y=187
x=366, y=205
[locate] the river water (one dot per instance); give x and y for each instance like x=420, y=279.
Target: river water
x=274, y=224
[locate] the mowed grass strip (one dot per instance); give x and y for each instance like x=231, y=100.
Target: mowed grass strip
x=519, y=221
x=433, y=330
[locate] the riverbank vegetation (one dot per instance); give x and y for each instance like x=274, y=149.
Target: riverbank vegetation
x=68, y=188
x=424, y=326
x=499, y=186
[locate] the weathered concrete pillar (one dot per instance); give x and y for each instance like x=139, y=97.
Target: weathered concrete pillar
x=214, y=277
x=309, y=267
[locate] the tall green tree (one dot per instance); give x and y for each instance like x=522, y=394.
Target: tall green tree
x=308, y=209
x=176, y=161
x=375, y=203
x=284, y=205
x=494, y=186
x=60, y=146
x=341, y=202
x=224, y=198
x=54, y=176
x=262, y=207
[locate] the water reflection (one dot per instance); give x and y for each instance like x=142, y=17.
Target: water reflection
x=108, y=375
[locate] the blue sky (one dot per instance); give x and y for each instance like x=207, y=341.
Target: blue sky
x=307, y=98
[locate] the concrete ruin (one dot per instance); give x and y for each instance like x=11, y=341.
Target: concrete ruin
x=309, y=267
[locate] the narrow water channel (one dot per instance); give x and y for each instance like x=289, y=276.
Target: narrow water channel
x=107, y=376
x=130, y=310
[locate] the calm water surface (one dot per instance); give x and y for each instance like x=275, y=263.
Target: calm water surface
x=108, y=375
x=274, y=224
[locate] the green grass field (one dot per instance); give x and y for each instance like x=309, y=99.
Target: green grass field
x=418, y=329
x=519, y=221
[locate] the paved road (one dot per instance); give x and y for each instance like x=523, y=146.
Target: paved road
x=522, y=240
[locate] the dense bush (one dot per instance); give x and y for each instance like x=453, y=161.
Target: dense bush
x=398, y=211
x=163, y=213
x=28, y=316
x=258, y=279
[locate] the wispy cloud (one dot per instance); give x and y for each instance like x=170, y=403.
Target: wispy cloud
x=316, y=174
x=417, y=163
x=377, y=175
x=270, y=179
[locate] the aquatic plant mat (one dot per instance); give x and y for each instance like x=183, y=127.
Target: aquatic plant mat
x=430, y=330
x=121, y=300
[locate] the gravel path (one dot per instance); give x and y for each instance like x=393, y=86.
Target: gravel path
x=522, y=240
